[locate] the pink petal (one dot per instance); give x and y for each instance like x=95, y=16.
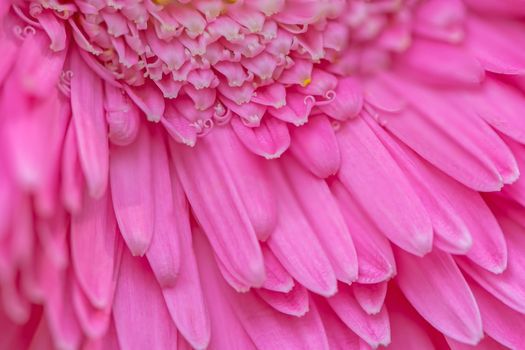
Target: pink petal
x=304, y=259
x=208, y=186
x=87, y=103
x=499, y=321
x=500, y=105
x=288, y=332
x=185, y=297
x=367, y=171
x=250, y=180
x=323, y=214
x=277, y=278
x=178, y=127
x=370, y=296
x=132, y=192
x=374, y=255
x=136, y=285
x=374, y=329
x=293, y=302
x=496, y=43
x=451, y=233
x=93, y=321
x=486, y=343
x=93, y=234
x=452, y=208
x=63, y=323
x=347, y=101
x=39, y=68
x=340, y=337
x=149, y=99
x=407, y=334
x=170, y=219
x=315, y=146
x=228, y=333
x=122, y=116
x=71, y=173
x=483, y=166
x=441, y=63
x=509, y=285
x=108, y=341
x=268, y=140
x=516, y=191
x=442, y=297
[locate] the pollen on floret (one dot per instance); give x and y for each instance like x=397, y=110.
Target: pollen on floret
x=163, y=2
x=306, y=82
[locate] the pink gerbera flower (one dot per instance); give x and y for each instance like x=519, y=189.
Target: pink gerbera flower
x=262, y=174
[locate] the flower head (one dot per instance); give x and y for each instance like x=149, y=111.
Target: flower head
x=272, y=174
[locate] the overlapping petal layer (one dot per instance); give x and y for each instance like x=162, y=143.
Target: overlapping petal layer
x=275, y=174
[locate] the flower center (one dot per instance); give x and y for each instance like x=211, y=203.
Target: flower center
x=244, y=56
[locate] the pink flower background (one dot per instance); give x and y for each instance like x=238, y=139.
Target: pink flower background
x=262, y=174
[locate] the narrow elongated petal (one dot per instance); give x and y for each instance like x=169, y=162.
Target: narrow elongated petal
x=293, y=302
x=442, y=297
x=220, y=310
x=250, y=179
x=450, y=231
x=367, y=171
x=87, y=103
x=93, y=234
x=374, y=329
x=461, y=219
x=340, y=337
x=499, y=321
x=255, y=315
x=304, y=259
x=185, y=297
x=482, y=166
x=135, y=285
x=93, y=321
x=316, y=147
x=500, y=105
x=374, y=254
x=63, y=324
x=323, y=214
x=347, y=102
x=487, y=343
x=107, y=342
x=509, y=285
x=495, y=43
x=370, y=296
x=407, y=335
x=149, y=99
x=277, y=278
x=39, y=68
x=71, y=172
x=208, y=186
x=171, y=216
x=133, y=204
x=268, y=140
x=442, y=63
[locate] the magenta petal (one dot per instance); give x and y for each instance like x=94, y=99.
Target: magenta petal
x=367, y=171
x=207, y=185
x=133, y=204
x=87, y=103
x=135, y=285
x=93, y=233
x=170, y=219
x=316, y=147
x=374, y=329
x=442, y=297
